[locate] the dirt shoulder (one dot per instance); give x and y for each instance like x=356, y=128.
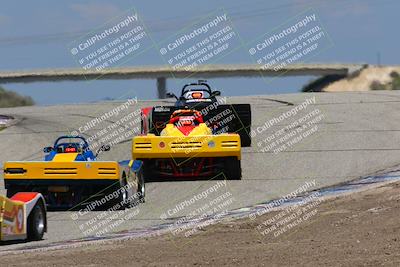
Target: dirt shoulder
x=362, y=229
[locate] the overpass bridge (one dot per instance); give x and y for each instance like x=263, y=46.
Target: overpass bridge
x=161, y=73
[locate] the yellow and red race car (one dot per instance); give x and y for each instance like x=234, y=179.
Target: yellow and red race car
x=217, y=114
x=22, y=216
x=187, y=147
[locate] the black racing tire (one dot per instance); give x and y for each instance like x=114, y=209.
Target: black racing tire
x=123, y=195
x=148, y=173
x=120, y=201
x=232, y=168
x=141, y=190
x=245, y=138
x=36, y=225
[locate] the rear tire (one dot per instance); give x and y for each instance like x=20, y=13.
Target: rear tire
x=245, y=137
x=36, y=222
x=141, y=190
x=147, y=171
x=11, y=191
x=232, y=168
x=119, y=202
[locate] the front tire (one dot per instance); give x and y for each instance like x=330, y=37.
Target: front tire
x=36, y=222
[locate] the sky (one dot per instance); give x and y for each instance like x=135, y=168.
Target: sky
x=41, y=34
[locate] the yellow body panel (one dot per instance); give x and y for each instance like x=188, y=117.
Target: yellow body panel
x=12, y=219
x=151, y=146
x=63, y=170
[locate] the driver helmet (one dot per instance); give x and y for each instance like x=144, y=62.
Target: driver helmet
x=186, y=120
x=194, y=95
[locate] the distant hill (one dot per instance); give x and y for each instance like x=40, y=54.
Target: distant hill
x=371, y=78
x=13, y=99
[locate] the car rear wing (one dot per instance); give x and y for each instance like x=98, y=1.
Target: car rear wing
x=152, y=146
x=15, y=170
x=234, y=118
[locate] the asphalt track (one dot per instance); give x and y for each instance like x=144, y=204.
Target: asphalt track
x=359, y=134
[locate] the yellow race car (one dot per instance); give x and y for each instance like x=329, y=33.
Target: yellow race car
x=22, y=216
x=187, y=147
x=71, y=176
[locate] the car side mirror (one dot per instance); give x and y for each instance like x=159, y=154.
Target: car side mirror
x=47, y=149
x=216, y=93
x=105, y=148
x=171, y=95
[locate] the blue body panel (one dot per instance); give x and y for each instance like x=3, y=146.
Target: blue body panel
x=82, y=147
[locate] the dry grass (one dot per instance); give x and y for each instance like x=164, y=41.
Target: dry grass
x=12, y=99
